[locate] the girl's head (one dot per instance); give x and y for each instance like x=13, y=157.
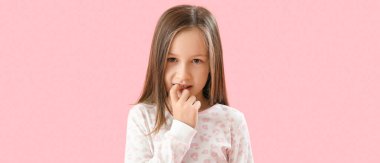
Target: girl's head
x=186, y=49
x=188, y=62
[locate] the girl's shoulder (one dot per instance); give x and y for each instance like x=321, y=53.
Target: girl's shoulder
x=228, y=109
x=143, y=108
x=229, y=112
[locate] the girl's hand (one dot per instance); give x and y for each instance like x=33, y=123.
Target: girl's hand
x=185, y=108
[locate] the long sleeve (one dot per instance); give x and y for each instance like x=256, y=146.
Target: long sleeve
x=241, y=151
x=140, y=148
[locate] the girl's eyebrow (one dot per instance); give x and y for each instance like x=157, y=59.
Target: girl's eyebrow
x=196, y=55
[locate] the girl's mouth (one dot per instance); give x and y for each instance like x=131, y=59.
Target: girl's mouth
x=183, y=87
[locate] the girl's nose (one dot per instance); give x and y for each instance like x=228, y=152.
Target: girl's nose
x=183, y=73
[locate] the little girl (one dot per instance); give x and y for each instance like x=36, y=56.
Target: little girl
x=183, y=113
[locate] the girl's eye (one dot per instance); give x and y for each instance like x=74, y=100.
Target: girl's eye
x=197, y=61
x=171, y=59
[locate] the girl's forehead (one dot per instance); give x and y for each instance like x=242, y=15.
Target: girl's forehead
x=190, y=42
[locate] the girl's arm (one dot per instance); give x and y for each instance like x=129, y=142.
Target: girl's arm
x=139, y=148
x=240, y=146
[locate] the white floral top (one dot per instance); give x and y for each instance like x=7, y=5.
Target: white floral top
x=221, y=135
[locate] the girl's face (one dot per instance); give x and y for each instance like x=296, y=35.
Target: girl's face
x=188, y=62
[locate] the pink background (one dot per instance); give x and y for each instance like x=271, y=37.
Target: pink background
x=305, y=73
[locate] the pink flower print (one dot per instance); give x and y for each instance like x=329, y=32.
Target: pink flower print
x=205, y=119
x=194, y=156
x=204, y=127
x=222, y=125
x=205, y=151
x=214, y=154
x=194, y=145
x=204, y=138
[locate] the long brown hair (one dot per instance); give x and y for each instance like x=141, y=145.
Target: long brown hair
x=171, y=22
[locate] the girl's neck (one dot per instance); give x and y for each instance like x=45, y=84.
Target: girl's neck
x=204, y=104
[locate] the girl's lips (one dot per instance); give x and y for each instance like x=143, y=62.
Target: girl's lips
x=183, y=88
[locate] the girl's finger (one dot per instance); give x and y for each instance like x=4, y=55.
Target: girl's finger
x=191, y=100
x=197, y=105
x=185, y=95
x=173, y=93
